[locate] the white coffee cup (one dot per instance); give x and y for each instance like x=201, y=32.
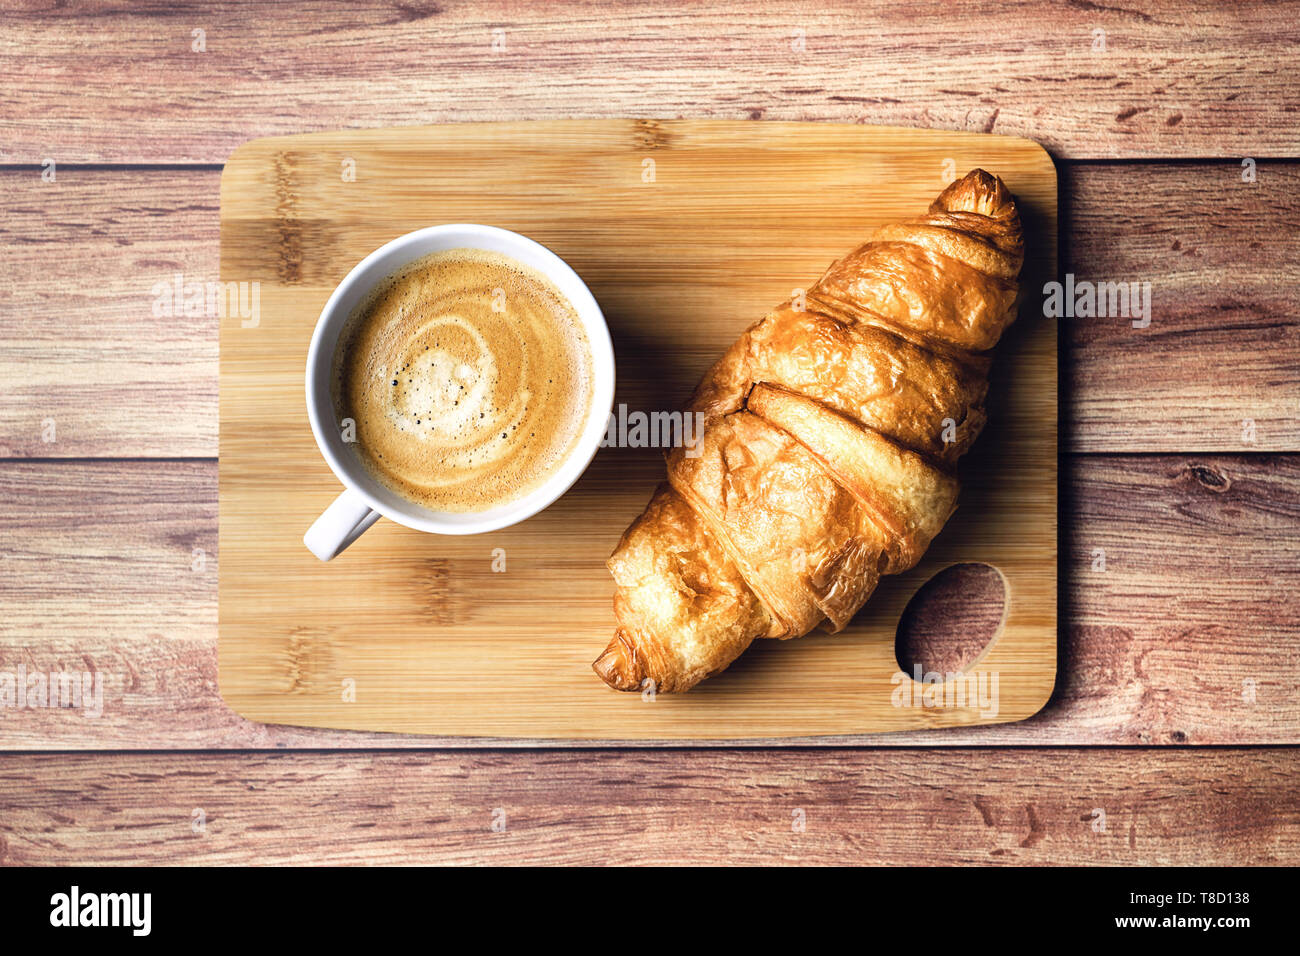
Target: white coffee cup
x=364, y=500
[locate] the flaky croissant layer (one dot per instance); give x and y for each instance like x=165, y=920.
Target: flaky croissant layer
x=831, y=435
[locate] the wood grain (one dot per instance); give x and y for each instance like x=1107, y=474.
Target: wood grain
x=85, y=356
x=352, y=644
x=1218, y=368
x=80, y=256
x=1220, y=807
x=1174, y=79
x=1200, y=590
x=1200, y=595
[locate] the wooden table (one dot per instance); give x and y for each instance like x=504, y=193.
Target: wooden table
x=1176, y=128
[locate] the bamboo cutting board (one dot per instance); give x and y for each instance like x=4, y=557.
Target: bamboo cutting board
x=686, y=231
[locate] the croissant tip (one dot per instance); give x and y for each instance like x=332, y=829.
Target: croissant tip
x=979, y=191
x=618, y=665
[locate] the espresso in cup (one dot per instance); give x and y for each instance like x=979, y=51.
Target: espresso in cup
x=468, y=380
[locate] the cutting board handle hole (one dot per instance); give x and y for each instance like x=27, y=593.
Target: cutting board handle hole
x=951, y=620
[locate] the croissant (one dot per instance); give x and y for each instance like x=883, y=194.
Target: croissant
x=832, y=432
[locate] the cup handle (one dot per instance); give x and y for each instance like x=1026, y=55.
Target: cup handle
x=342, y=523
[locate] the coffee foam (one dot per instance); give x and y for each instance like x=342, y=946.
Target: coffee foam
x=469, y=378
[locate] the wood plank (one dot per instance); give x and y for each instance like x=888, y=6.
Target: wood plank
x=1174, y=79
x=1218, y=368
x=89, y=368
x=79, y=258
x=1199, y=598
x=1223, y=807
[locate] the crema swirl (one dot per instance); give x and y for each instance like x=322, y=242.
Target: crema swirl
x=468, y=376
